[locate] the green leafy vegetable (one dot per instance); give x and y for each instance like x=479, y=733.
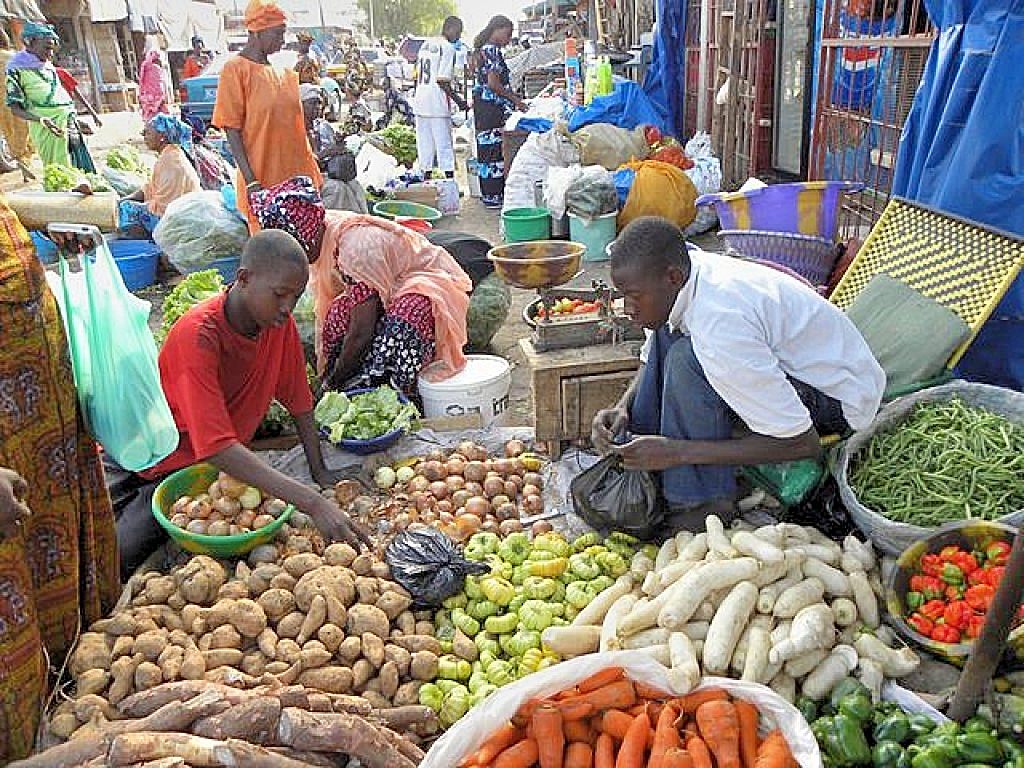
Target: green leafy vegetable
x=98, y=183
x=61, y=178
x=195, y=288
x=364, y=416
x=125, y=157
x=399, y=141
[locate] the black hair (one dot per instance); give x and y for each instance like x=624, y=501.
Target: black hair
x=452, y=21
x=652, y=244
x=496, y=23
x=271, y=249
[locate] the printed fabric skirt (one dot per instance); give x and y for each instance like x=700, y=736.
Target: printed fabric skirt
x=489, y=117
x=131, y=213
x=403, y=343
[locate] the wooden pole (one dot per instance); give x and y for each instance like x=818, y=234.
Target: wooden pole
x=988, y=648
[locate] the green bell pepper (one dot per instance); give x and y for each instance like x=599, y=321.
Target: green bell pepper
x=886, y=754
x=914, y=601
x=808, y=708
x=844, y=688
x=979, y=747
x=1011, y=749
x=857, y=706
x=940, y=752
x=895, y=727
x=515, y=548
x=920, y=725
x=498, y=590
x=845, y=742
x=978, y=724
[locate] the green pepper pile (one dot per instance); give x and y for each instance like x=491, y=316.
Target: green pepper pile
x=491, y=631
x=852, y=731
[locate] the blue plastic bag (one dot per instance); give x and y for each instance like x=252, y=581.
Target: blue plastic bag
x=624, y=178
x=626, y=107
x=114, y=360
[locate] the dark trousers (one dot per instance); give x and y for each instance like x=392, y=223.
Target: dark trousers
x=138, y=533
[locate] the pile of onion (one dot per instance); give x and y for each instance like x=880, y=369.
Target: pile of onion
x=467, y=490
x=229, y=507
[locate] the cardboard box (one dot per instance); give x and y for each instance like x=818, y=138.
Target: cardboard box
x=419, y=193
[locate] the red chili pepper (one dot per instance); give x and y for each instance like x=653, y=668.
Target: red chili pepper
x=998, y=552
x=974, y=626
x=979, y=597
x=957, y=614
x=995, y=575
x=931, y=565
x=944, y=633
x=933, y=609
x=931, y=587
x=921, y=624
x=979, y=576
x=947, y=554
x=954, y=593
x=965, y=562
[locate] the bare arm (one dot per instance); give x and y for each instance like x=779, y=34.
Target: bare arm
x=357, y=341
x=446, y=86
x=495, y=84
x=89, y=107
x=138, y=196
x=655, y=453
x=238, y=152
x=310, y=439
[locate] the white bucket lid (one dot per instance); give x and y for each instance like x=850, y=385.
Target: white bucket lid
x=480, y=369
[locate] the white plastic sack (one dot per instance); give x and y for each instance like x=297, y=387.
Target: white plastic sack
x=472, y=730
x=374, y=168
x=556, y=186
x=540, y=152
x=199, y=228
x=706, y=175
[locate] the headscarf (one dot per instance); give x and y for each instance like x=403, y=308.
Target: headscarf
x=25, y=59
x=263, y=14
x=394, y=261
x=309, y=91
x=174, y=130
x=34, y=30
x=294, y=206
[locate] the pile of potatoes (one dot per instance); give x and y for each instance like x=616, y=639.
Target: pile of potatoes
x=228, y=508
x=332, y=622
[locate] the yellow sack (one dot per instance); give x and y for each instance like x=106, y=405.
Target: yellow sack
x=660, y=189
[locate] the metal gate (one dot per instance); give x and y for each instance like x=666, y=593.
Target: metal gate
x=871, y=59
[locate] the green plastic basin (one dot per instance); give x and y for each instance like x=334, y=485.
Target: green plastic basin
x=404, y=209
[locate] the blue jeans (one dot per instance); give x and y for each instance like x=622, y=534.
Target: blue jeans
x=675, y=400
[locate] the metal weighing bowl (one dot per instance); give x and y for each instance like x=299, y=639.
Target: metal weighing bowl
x=537, y=264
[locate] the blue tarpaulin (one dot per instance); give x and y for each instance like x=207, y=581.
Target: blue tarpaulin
x=962, y=151
x=626, y=107
x=664, y=83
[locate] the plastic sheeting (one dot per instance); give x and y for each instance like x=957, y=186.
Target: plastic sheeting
x=664, y=82
x=962, y=151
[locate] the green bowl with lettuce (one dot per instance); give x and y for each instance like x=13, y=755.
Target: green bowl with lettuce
x=364, y=421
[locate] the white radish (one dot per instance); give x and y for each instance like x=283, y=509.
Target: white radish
x=705, y=612
x=756, y=659
x=769, y=594
x=771, y=534
x=718, y=541
x=615, y=614
x=845, y=611
x=684, y=674
x=823, y=678
x=793, y=531
x=861, y=550
x=813, y=628
x=690, y=591
x=727, y=626
x=802, y=665
x=652, y=584
x=799, y=596
x=749, y=544
x=836, y=582
x=572, y=641
x=696, y=630
x=850, y=563
x=652, y=636
x=869, y=672
x=683, y=538
x=696, y=549
x=666, y=554
x=820, y=552
x=596, y=609
x=672, y=572
x=864, y=597
x=640, y=566
x=894, y=663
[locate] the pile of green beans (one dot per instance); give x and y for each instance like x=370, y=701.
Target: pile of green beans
x=948, y=461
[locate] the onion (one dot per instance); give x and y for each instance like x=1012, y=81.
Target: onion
x=541, y=526
x=180, y=520
x=514, y=447
x=467, y=448
x=261, y=520
x=455, y=466
x=434, y=471
x=235, y=530
x=531, y=490
x=214, y=517
x=493, y=486
x=214, y=491
x=402, y=521
x=218, y=528
x=506, y=511
x=467, y=525
x=423, y=501
x=478, y=506
x=491, y=526
x=445, y=506
x=199, y=509
x=510, y=526
x=439, y=489
x=475, y=489
x=231, y=487
x=533, y=478
x=500, y=499
x=435, y=455
x=445, y=517
x=430, y=516
x=244, y=518
x=228, y=508
x=460, y=497
x=511, y=489
x=504, y=467
x=196, y=526
x=181, y=505
x=455, y=483
x=533, y=504
x=419, y=483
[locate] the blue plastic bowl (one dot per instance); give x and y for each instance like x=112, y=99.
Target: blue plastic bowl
x=227, y=267
x=136, y=260
x=46, y=249
x=376, y=444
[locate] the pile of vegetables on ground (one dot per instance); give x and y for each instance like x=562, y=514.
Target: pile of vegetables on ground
x=193, y=289
x=517, y=619
x=947, y=461
x=397, y=140
x=609, y=721
x=63, y=178
x=364, y=416
x=228, y=508
x=125, y=157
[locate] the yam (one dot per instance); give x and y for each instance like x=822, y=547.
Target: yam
x=288, y=651
x=158, y=589
x=277, y=603
x=337, y=613
x=170, y=662
x=254, y=663
x=341, y=554
x=362, y=672
x=254, y=721
x=301, y=564
x=363, y=564
x=405, y=622
x=350, y=649
x=394, y=604
x=373, y=649
x=92, y=681
x=315, y=618
x=267, y=643
x=291, y=625
x=233, y=590
x=200, y=579
x=347, y=734
x=92, y=652
x=325, y=580
x=331, y=636
x=63, y=725
x=225, y=636
x=367, y=619
x=122, y=671
x=312, y=658
x=377, y=700
x=285, y=581
x=423, y=666
x=408, y=693
x=193, y=619
x=367, y=590
x=328, y=679
x=222, y=657
x=148, y=675
x=419, y=642
x=123, y=646
x=389, y=678
x=276, y=667
x=193, y=666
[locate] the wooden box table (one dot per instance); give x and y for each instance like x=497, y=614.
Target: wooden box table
x=571, y=385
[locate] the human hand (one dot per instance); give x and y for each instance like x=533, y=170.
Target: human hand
x=606, y=426
x=336, y=525
x=51, y=126
x=96, y=120
x=13, y=509
x=650, y=453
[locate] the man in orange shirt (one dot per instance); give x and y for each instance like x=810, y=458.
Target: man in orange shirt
x=196, y=60
x=259, y=109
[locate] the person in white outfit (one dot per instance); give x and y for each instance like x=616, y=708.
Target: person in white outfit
x=432, y=104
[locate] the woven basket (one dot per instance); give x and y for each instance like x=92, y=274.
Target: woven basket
x=810, y=257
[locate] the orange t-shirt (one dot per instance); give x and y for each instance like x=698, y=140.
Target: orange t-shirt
x=262, y=101
x=192, y=68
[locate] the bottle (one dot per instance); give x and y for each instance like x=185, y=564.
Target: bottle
x=604, y=77
x=572, y=70
x=592, y=84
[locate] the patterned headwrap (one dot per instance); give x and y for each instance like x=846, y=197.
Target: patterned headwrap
x=294, y=206
x=174, y=130
x=33, y=30
x=263, y=14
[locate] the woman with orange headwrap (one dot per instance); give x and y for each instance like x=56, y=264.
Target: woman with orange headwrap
x=258, y=107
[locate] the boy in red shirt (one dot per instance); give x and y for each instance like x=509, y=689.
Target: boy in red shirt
x=221, y=366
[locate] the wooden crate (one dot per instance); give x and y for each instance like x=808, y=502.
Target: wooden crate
x=423, y=194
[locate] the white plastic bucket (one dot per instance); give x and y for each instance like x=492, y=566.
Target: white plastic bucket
x=481, y=387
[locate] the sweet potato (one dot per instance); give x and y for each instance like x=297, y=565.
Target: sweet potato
x=408, y=693
x=329, y=679
x=362, y=672
x=414, y=643
x=388, y=676
x=193, y=665
x=362, y=565
x=350, y=649
x=367, y=618
x=401, y=658
x=277, y=603
x=225, y=636
x=222, y=657
x=285, y=581
x=373, y=649
x=287, y=650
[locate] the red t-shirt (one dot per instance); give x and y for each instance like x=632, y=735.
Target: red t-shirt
x=220, y=383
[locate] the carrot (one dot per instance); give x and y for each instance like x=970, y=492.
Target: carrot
x=547, y=729
x=600, y=679
x=525, y=713
x=521, y=755
x=616, y=723
x=677, y=758
x=688, y=704
x=604, y=752
x=720, y=728
x=579, y=755
x=774, y=752
x=654, y=710
x=631, y=752
x=645, y=691
x=698, y=752
x=578, y=730
x=748, y=717
x=666, y=737
x=500, y=740
x=638, y=709
x=617, y=695
x=575, y=709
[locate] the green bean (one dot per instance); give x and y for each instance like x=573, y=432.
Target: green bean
x=947, y=461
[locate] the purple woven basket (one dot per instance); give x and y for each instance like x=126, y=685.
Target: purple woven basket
x=813, y=258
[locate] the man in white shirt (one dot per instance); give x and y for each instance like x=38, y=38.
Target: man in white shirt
x=730, y=344
x=432, y=104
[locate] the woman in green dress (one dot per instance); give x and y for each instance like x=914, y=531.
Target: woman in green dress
x=35, y=94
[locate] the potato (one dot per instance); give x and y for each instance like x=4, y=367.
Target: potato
x=92, y=652
x=193, y=666
x=148, y=675
x=326, y=580
x=277, y=667
x=63, y=725
x=267, y=643
x=405, y=622
x=363, y=564
x=400, y=657
x=381, y=570
x=373, y=649
x=423, y=666
x=225, y=636
x=284, y=581
x=200, y=579
x=350, y=649
x=424, y=628
x=367, y=591
x=158, y=590
x=247, y=617
x=151, y=644
x=301, y=564
x=288, y=650
x=393, y=603
x=315, y=618
x=407, y=693
x=340, y=554
x=92, y=681
x=414, y=643
x=254, y=663
x=328, y=679
x=464, y=648
x=291, y=625
x=331, y=635
x=312, y=658
x=277, y=603
x=388, y=677
x=123, y=646
x=367, y=618
x=362, y=672
x=222, y=657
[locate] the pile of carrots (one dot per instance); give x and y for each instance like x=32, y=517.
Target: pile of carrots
x=608, y=721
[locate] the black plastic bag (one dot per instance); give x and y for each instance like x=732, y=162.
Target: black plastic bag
x=429, y=566
x=823, y=509
x=610, y=497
